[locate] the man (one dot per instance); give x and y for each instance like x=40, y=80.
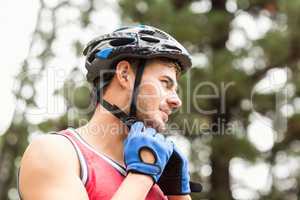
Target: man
x=119, y=153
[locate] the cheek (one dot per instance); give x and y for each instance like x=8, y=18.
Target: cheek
x=150, y=96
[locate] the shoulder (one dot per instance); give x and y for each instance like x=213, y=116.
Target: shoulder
x=48, y=154
x=48, y=162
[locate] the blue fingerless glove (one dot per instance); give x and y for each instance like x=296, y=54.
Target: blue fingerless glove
x=175, y=179
x=140, y=138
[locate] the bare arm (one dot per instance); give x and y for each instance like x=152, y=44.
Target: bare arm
x=134, y=187
x=49, y=170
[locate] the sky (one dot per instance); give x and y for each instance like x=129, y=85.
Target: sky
x=17, y=20
x=17, y=24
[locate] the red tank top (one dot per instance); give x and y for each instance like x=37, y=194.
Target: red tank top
x=101, y=175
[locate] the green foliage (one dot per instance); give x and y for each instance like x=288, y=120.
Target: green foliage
x=235, y=147
x=81, y=97
x=273, y=45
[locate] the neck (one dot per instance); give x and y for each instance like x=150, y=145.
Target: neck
x=105, y=133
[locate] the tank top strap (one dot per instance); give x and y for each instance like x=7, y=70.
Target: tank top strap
x=89, y=152
x=82, y=160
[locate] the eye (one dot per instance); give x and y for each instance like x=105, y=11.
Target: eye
x=165, y=83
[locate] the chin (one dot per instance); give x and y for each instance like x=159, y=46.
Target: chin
x=158, y=125
x=162, y=129
x=154, y=121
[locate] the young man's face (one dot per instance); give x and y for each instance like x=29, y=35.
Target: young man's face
x=157, y=94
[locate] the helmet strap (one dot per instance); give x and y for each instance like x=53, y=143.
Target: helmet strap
x=117, y=112
x=137, y=82
x=128, y=120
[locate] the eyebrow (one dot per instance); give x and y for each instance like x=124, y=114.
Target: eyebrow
x=171, y=81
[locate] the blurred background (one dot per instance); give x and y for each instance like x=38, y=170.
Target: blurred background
x=241, y=100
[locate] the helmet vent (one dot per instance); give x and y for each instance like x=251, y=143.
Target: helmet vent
x=171, y=47
x=150, y=39
x=121, y=41
x=161, y=34
x=147, y=32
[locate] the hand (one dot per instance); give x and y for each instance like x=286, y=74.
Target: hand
x=141, y=139
x=175, y=179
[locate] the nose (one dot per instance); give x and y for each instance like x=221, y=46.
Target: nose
x=174, y=101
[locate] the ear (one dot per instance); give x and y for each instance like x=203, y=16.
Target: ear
x=124, y=74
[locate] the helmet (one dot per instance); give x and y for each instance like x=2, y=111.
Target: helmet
x=141, y=42
x=136, y=42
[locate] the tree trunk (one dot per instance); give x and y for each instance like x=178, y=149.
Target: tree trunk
x=220, y=177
